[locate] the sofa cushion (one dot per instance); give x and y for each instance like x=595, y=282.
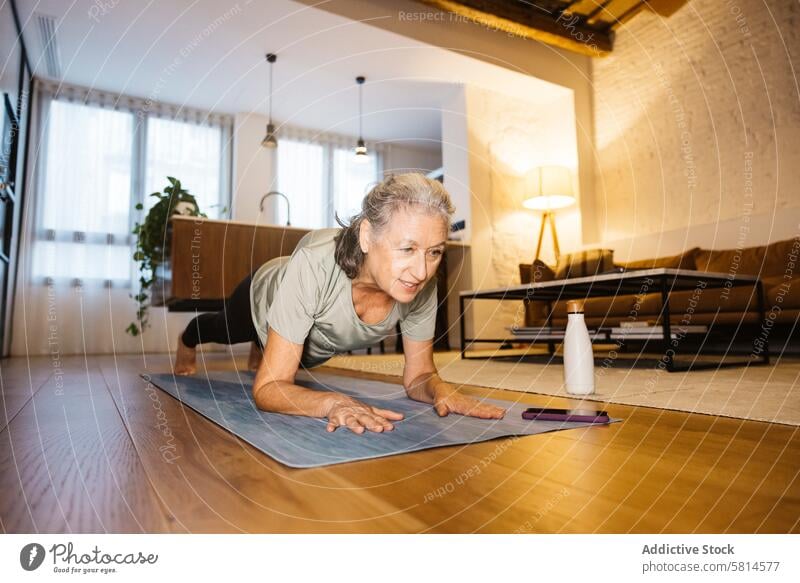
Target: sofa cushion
x=782, y=258
x=735, y=299
x=748, y=261
x=782, y=292
x=584, y=263
x=536, y=272
x=683, y=260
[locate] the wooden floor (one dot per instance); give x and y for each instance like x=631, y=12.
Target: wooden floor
x=87, y=446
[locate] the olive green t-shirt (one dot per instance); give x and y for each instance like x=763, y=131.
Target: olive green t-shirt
x=307, y=299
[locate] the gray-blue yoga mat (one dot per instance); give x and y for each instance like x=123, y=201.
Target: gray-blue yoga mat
x=302, y=442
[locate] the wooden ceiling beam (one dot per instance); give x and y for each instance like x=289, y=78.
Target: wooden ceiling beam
x=595, y=15
x=566, y=7
x=563, y=30
x=628, y=14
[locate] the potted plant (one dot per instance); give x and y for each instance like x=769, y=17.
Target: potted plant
x=153, y=244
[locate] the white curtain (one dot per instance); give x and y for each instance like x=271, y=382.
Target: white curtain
x=302, y=178
x=96, y=157
x=320, y=175
x=83, y=230
x=191, y=153
x=352, y=179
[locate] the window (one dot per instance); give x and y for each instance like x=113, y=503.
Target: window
x=301, y=177
x=351, y=180
x=85, y=199
x=321, y=176
x=91, y=176
x=192, y=154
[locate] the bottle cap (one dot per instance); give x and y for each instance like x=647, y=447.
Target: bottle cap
x=575, y=307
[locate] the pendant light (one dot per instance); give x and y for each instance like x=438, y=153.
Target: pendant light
x=361, y=148
x=270, y=140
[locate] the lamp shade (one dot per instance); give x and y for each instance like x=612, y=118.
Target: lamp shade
x=270, y=141
x=361, y=152
x=550, y=188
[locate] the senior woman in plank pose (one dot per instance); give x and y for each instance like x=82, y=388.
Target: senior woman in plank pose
x=344, y=289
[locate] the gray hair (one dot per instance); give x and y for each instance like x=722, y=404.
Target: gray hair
x=403, y=191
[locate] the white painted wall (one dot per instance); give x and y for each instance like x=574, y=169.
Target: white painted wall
x=455, y=159
x=254, y=170
x=403, y=157
x=455, y=162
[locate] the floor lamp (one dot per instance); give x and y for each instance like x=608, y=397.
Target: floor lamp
x=550, y=190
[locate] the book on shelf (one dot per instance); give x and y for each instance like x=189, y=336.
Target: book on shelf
x=658, y=330
x=535, y=330
x=654, y=333
x=652, y=336
x=543, y=333
x=637, y=324
x=521, y=328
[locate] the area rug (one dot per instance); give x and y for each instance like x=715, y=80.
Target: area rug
x=762, y=393
x=302, y=442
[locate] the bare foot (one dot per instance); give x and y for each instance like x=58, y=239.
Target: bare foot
x=185, y=359
x=255, y=357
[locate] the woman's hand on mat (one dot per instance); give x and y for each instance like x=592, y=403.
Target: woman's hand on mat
x=358, y=416
x=448, y=400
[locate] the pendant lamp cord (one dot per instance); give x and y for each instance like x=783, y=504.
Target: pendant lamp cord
x=270, y=93
x=360, y=109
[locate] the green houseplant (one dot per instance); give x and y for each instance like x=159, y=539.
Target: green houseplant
x=152, y=243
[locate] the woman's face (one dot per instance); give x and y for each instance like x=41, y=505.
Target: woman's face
x=405, y=256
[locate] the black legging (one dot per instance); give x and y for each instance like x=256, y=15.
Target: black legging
x=231, y=325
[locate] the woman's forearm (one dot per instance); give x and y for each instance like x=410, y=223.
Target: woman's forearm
x=292, y=399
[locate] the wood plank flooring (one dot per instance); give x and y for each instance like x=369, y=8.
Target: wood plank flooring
x=89, y=446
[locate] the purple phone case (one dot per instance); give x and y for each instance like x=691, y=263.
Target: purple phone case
x=564, y=417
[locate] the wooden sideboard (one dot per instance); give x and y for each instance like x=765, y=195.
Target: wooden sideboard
x=209, y=258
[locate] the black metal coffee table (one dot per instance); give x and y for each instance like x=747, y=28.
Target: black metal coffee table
x=640, y=282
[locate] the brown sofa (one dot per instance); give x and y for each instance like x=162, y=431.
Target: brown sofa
x=777, y=264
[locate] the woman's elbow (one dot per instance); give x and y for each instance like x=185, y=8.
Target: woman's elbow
x=261, y=396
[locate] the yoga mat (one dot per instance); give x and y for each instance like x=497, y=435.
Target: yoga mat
x=302, y=442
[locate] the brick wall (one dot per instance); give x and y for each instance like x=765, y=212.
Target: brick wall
x=688, y=107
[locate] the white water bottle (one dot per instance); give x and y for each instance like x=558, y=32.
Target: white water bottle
x=578, y=355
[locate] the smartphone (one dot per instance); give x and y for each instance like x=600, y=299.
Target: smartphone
x=581, y=415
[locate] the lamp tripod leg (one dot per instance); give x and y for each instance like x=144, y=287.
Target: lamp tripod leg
x=555, y=236
x=541, y=236
x=548, y=218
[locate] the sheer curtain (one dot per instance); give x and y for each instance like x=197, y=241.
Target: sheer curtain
x=320, y=175
x=83, y=232
x=352, y=180
x=96, y=157
x=191, y=153
x=302, y=178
